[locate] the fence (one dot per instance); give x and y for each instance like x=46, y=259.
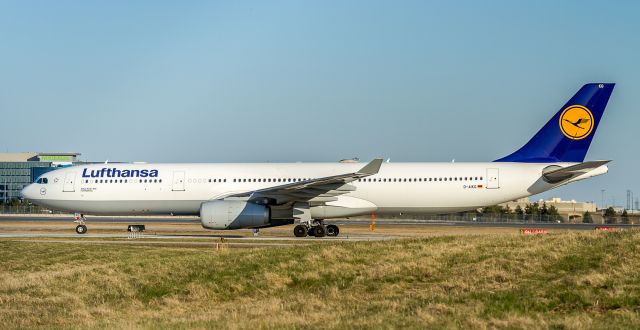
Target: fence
x=493, y=217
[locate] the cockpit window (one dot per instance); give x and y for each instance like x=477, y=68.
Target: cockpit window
x=42, y=181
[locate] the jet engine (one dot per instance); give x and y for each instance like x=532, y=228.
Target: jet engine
x=233, y=215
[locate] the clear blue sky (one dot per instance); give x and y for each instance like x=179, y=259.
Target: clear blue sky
x=242, y=81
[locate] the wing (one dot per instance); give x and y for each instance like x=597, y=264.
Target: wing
x=319, y=190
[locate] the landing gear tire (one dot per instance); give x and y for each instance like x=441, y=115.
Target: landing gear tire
x=333, y=230
x=300, y=231
x=81, y=229
x=311, y=231
x=319, y=231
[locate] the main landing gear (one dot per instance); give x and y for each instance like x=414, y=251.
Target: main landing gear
x=318, y=229
x=81, y=228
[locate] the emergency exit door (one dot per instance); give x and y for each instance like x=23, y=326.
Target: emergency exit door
x=493, y=178
x=69, y=182
x=178, y=181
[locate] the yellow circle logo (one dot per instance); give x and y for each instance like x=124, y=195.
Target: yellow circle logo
x=576, y=122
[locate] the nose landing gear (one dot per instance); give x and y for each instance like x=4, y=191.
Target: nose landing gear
x=81, y=228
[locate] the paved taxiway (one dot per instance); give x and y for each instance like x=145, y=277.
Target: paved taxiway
x=187, y=231
x=380, y=221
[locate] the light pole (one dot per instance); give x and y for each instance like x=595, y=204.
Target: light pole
x=602, y=205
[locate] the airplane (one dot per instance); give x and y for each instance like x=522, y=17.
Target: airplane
x=259, y=195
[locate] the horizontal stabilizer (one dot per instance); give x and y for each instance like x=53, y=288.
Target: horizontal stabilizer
x=555, y=174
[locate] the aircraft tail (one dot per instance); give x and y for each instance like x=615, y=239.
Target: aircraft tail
x=567, y=136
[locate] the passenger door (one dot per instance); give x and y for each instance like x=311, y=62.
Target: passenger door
x=69, y=182
x=178, y=181
x=493, y=178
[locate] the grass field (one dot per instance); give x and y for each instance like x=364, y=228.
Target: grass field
x=561, y=280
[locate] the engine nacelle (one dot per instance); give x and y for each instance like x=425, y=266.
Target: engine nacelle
x=233, y=215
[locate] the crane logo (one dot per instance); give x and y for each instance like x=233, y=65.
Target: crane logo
x=576, y=122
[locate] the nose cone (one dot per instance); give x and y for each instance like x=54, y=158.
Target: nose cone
x=26, y=192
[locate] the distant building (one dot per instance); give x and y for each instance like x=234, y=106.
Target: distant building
x=568, y=209
x=20, y=169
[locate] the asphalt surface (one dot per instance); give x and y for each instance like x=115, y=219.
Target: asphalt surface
x=440, y=223
x=197, y=237
x=380, y=221
x=39, y=218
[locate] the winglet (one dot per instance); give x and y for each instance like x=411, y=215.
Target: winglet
x=372, y=168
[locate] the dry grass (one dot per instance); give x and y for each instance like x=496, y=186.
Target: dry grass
x=565, y=280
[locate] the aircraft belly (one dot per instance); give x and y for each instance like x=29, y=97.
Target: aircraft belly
x=124, y=207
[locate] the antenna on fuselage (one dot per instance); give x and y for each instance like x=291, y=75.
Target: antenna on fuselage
x=106, y=161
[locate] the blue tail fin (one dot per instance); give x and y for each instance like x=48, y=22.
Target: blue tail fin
x=567, y=136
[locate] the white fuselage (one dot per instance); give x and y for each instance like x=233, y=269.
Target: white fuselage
x=182, y=188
